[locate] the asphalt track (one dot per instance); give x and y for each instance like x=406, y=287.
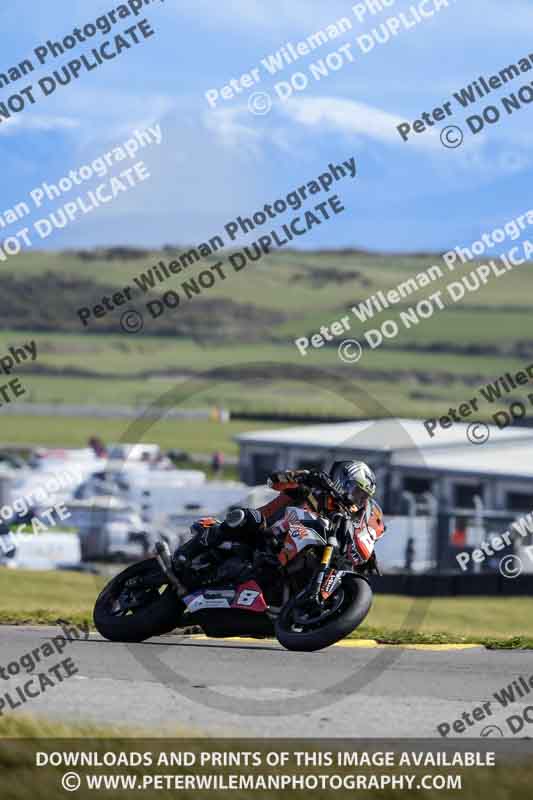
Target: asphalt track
x=256, y=688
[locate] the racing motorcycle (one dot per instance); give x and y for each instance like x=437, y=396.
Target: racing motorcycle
x=304, y=589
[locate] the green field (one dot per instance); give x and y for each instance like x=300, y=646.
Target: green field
x=196, y=436
x=233, y=346
x=44, y=597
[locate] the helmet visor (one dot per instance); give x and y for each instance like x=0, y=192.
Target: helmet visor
x=354, y=493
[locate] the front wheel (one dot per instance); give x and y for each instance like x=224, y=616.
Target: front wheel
x=136, y=604
x=306, y=626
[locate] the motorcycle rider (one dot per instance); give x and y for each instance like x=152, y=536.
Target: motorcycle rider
x=252, y=532
x=356, y=482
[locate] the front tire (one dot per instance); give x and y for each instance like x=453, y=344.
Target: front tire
x=153, y=610
x=355, y=606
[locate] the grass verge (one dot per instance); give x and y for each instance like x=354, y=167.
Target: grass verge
x=41, y=598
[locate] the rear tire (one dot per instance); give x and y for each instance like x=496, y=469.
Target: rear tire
x=358, y=601
x=160, y=615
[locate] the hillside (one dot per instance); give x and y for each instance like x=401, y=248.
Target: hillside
x=239, y=334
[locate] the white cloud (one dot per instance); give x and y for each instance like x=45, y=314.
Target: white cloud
x=350, y=117
x=499, y=151
x=110, y=115
x=36, y=122
x=225, y=124
x=321, y=113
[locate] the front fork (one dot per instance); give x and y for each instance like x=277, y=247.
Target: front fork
x=323, y=585
x=325, y=562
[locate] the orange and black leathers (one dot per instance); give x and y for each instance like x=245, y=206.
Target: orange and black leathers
x=292, y=491
x=367, y=524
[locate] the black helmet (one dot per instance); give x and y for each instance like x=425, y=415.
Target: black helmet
x=355, y=480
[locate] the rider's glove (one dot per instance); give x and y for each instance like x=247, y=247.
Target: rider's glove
x=288, y=479
x=294, y=483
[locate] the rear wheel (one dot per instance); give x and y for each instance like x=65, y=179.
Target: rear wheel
x=306, y=626
x=136, y=604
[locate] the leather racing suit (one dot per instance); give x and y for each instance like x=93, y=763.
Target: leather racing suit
x=263, y=530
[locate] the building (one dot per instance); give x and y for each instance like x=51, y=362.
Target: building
x=448, y=469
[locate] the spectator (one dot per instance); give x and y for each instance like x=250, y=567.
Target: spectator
x=98, y=447
x=217, y=462
x=7, y=544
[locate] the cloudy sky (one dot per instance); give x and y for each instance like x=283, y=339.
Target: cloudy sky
x=214, y=164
